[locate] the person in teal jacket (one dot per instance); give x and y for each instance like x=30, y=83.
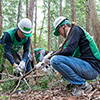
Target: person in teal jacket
x=39, y=54
x=79, y=60
x=13, y=40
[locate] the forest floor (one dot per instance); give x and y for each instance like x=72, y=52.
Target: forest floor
x=51, y=87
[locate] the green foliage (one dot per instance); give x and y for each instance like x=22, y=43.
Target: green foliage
x=7, y=85
x=10, y=13
x=44, y=82
x=1, y=55
x=80, y=10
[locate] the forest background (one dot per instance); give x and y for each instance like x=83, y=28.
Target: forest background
x=42, y=13
x=86, y=13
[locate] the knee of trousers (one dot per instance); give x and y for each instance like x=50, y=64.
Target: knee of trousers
x=55, y=60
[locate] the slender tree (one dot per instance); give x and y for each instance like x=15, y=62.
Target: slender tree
x=30, y=16
x=0, y=18
x=73, y=10
x=60, y=39
x=19, y=11
x=27, y=7
x=49, y=25
x=88, y=18
x=31, y=10
x=35, y=23
x=95, y=22
x=42, y=24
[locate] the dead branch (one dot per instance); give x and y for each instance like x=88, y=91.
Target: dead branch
x=10, y=79
x=8, y=75
x=92, y=94
x=17, y=86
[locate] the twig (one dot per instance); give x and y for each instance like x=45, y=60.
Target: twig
x=7, y=73
x=17, y=85
x=10, y=79
x=92, y=94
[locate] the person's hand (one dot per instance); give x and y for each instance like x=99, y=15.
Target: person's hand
x=30, y=56
x=48, y=55
x=17, y=69
x=22, y=65
x=46, y=58
x=39, y=65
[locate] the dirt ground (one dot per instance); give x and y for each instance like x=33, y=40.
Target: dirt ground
x=54, y=93
x=56, y=90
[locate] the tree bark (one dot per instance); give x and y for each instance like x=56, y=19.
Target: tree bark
x=27, y=12
x=0, y=18
x=31, y=10
x=73, y=10
x=35, y=23
x=60, y=39
x=19, y=11
x=30, y=16
x=88, y=18
x=49, y=25
x=42, y=24
x=95, y=22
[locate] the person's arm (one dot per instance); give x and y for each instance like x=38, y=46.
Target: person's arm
x=7, y=48
x=42, y=53
x=26, y=49
x=72, y=42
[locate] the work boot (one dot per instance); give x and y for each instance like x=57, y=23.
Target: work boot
x=78, y=90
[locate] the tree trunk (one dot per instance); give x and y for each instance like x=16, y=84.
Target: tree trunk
x=35, y=23
x=88, y=18
x=31, y=10
x=0, y=18
x=60, y=39
x=30, y=16
x=95, y=22
x=19, y=11
x=49, y=25
x=42, y=24
x=27, y=12
x=73, y=9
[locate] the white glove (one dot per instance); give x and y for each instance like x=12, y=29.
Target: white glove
x=48, y=55
x=17, y=69
x=22, y=65
x=46, y=58
x=30, y=56
x=40, y=64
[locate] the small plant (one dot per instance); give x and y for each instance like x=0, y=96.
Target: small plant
x=6, y=85
x=1, y=55
x=44, y=82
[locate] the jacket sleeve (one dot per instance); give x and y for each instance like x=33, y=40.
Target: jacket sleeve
x=72, y=42
x=7, y=47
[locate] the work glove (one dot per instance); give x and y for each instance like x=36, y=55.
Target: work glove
x=45, y=61
x=46, y=58
x=40, y=64
x=22, y=65
x=17, y=69
x=30, y=56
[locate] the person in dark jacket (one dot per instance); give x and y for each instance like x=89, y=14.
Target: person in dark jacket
x=13, y=40
x=79, y=60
